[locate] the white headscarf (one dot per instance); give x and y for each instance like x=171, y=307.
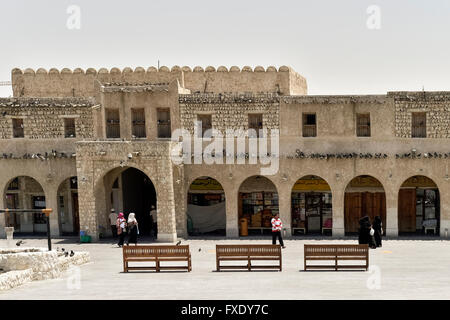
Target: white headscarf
x=131, y=218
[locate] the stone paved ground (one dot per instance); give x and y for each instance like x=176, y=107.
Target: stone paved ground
x=409, y=269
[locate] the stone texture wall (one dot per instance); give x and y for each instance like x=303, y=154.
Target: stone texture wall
x=435, y=104
x=80, y=83
x=93, y=167
x=229, y=111
x=44, y=118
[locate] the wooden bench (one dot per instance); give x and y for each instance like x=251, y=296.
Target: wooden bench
x=336, y=252
x=248, y=253
x=157, y=254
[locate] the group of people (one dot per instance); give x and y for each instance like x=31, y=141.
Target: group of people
x=370, y=233
x=129, y=228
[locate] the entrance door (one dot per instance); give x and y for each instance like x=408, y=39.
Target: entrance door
x=75, y=214
x=407, y=210
x=353, y=209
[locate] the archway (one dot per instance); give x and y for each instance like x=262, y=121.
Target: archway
x=258, y=201
x=24, y=192
x=311, y=206
x=206, y=211
x=364, y=195
x=130, y=190
x=418, y=206
x=68, y=213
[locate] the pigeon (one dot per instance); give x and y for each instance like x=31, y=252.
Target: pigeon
x=63, y=249
x=66, y=254
x=178, y=243
x=72, y=253
x=199, y=249
x=18, y=243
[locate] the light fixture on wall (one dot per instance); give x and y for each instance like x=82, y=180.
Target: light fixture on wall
x=129, y=156
x=284, y=178
x=102, y=153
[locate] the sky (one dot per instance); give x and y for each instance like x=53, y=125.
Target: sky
x=340, y=47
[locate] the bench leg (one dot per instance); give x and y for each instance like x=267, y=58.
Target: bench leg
x=249, y=265
x=189, y=264
x=125, y=266
x=157, y=265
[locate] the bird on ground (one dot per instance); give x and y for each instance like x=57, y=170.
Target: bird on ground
x=66, y=254
x=72, y=253
x=178, y=243
x=63, y=249
x=199, y=249
x=18, y=243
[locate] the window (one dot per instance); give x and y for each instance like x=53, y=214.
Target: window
x=163, y=116
x=14, y=185
x=206, y=122
x=112, y=124
x=309, y=125
x=363, y=125
x=138, y=123
x=255, y=122
x=17, y=128
x=419, y=125
x=69, y=128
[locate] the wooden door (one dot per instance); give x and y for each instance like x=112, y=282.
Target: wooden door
x=75, y=214
x=407, y=210
x=352, y=211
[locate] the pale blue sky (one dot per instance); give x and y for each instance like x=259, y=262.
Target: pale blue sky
x=327, y=41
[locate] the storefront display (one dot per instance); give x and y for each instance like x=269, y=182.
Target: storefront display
x=258, y=208
x=311, y=212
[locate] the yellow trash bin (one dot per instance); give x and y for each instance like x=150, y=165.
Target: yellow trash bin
x=244, y=227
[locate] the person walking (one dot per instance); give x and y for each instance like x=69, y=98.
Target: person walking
x=378, y=228
x=366, y=232
x=277, y=226
x=133, y=229
x=112, y=220
x=154, y=221
x=121, y=225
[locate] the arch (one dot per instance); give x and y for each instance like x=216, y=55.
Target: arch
x=127, y=189
x=68, y=210
x=257, y=203
x=418, y=206
x=364, y=195
x=311, y=206
x=25, y=192
x=206, y=207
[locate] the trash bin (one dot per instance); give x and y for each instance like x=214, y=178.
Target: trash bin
x=244, y=227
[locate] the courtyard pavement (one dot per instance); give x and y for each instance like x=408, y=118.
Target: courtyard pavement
x=401, y=269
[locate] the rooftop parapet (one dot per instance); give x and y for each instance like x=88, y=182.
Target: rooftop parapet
x=80, y=83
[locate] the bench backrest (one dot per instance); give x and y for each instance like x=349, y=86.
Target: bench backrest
x=248, y=250
x=340, y=250
x=153, y=251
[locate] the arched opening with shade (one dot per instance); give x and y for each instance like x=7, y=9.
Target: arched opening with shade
x=418, y=206
x=130, y=190
x=25, y=192
x=206, y=211
x=311, y=206
x=68, y=213
x=258, y=202
x=364, y=196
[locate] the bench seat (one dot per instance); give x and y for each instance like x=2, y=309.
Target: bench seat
x=248, y=253
x=156, y=254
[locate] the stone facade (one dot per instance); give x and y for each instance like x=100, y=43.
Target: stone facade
x=335, y=153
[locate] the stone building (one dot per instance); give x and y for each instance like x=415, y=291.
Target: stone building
x=83, y=142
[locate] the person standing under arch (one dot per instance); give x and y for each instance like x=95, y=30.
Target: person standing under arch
x=154, y=222
x=133, y=229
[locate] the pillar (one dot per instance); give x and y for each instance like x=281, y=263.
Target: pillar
x=51, y=202
x=338, y=196
x=391, y=226
x=284, y=206
x=232, y=209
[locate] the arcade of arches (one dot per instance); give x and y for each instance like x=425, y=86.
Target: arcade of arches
x=311, y=212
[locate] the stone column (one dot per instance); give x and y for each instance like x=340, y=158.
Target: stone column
x=51, y=202
x=88, y=203
x=444, y=193
x=231, y=207
x=338, y=212
x=391, y=226
x=165, y=202
x=284, y=206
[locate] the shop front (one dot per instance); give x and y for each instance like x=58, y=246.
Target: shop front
x=206, y=211
x=364, y=196
x=258, y=202
x=418, y=207
x=311, y=206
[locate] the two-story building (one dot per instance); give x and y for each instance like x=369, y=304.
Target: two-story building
x=83, y=142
